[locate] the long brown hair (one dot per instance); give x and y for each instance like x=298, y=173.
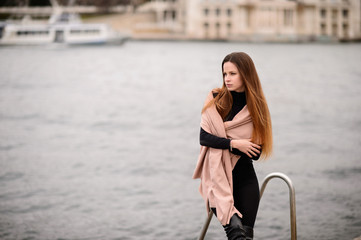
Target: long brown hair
x=256, y=101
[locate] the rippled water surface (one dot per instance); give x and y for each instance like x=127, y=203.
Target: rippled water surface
x=101, y=142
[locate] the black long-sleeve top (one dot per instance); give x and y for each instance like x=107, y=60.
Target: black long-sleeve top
x=210, y=140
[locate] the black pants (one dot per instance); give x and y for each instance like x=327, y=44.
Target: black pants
x=245, y=191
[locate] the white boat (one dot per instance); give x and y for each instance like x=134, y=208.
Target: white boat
x=62, y=28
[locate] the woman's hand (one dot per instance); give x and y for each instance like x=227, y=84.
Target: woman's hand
x=246, y=146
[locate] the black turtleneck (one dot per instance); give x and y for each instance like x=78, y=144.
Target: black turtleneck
x=239, y=101
x=210, y=140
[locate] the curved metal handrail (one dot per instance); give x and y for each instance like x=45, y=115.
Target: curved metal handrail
x=264, y=184
x=292, y=198
x=205, y=226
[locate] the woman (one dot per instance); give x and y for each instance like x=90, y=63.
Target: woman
x=235, y=129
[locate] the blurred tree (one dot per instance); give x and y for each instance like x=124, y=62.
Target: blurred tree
x=106, y=4
x=39, y=3
x=11, y=3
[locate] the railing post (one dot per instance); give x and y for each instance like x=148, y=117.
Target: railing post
x=264, y=184
x=292, y=199
x=205, y=226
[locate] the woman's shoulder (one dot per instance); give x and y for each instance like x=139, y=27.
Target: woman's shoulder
x=214, y=92
x=211, y=95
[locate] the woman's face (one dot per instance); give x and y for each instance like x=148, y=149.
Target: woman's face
x=232, y=77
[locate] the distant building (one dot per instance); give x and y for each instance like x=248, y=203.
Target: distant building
x=255, y=20
x=163, y=17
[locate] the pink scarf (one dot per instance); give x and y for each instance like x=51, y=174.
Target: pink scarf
x=215, y=166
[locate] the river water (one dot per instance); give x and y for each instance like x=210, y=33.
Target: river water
x=101, y=142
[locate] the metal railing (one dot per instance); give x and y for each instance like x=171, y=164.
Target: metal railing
x=285, y=178
x=264, y=184
x=206, y=224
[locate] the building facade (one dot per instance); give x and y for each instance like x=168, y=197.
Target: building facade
x=258, y=20
x=168, y=17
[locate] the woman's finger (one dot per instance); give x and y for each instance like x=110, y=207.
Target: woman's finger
x=256, y=146
x=253, y=153
x=256, y=150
